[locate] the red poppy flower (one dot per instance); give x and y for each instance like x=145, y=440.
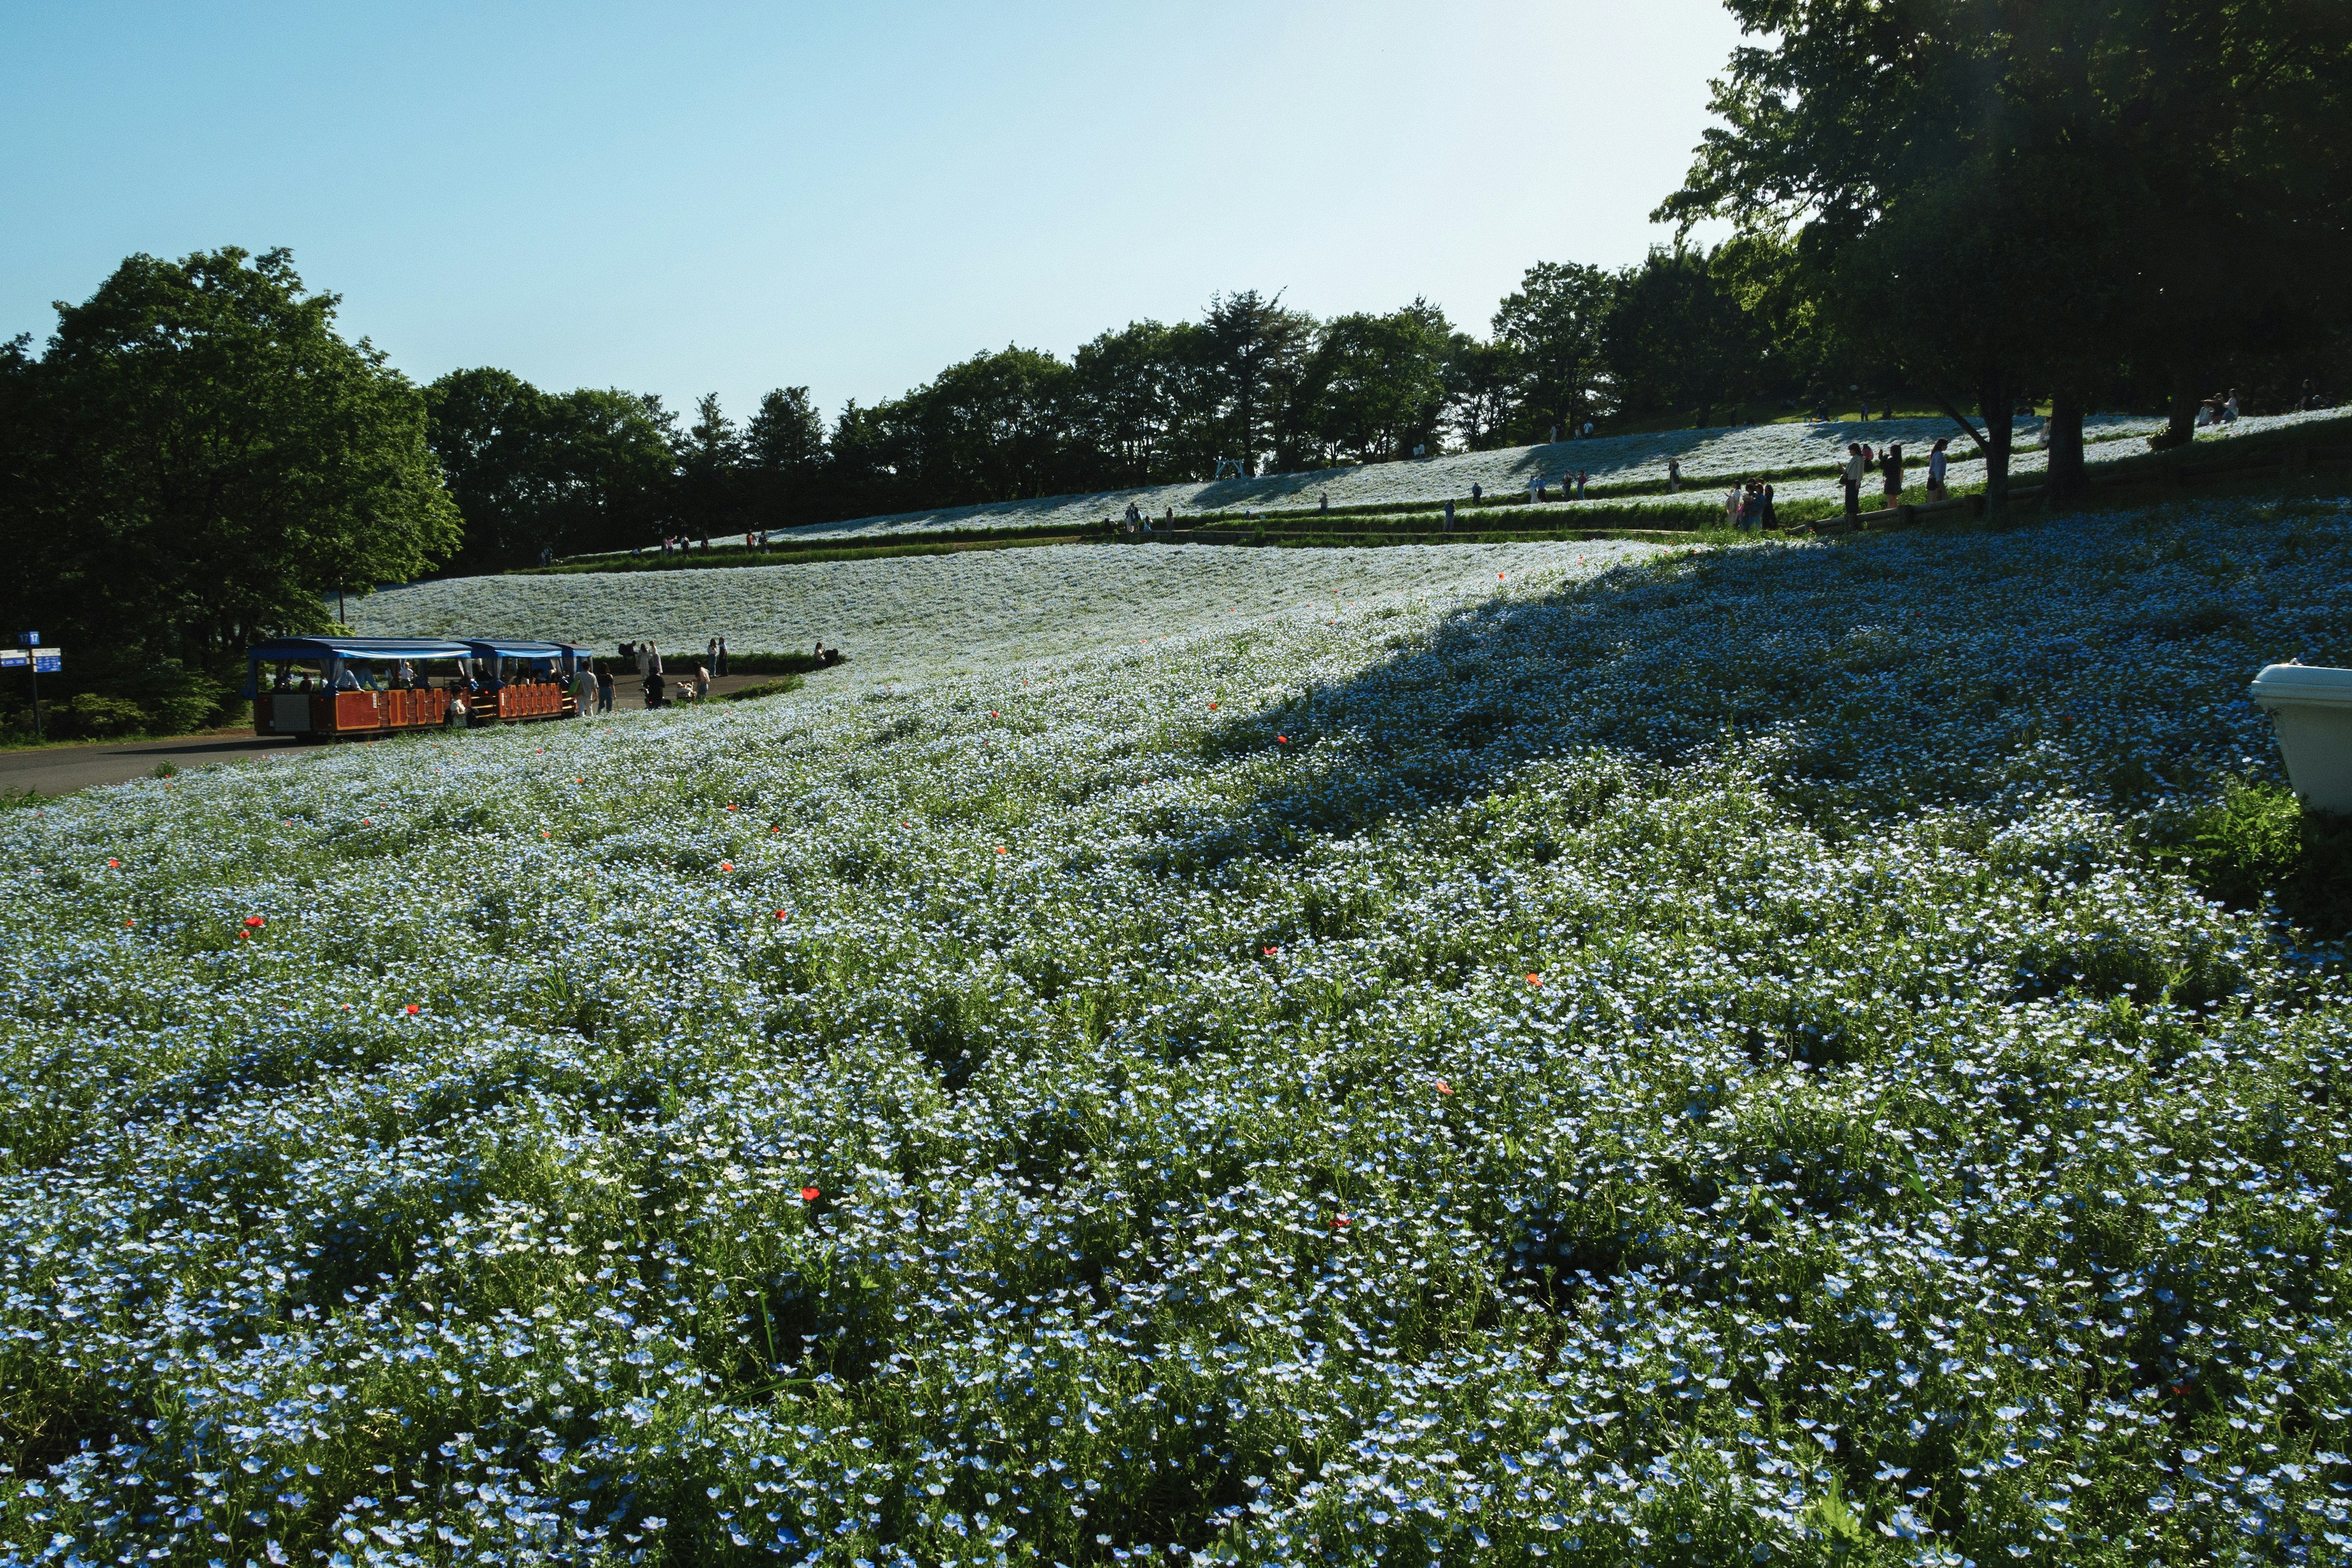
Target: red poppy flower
x=1271, y=950
x=1339, y=1222
x=1000, y=850
x=726, y=865
x=779, y=914
x=412, y=1009
x=1534, y=979
x=255, y=921
x=991, y=713
x=114, y=863
x=810, y=1194
x=1212, y=707
x=731, y=806
x=1282, y=739
x=367, y=822
x=130, y=922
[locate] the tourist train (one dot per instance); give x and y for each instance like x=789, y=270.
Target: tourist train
x=323, y=687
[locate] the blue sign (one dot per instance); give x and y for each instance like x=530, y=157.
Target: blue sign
x=14, y=658
x=32, y=639
x=48, y=661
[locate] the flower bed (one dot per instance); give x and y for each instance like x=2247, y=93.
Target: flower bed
x=1697, y=1066
x=1706, y=455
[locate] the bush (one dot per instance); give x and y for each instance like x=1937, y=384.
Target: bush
x=87, y=714
x=2257, y=840
x=766, y=688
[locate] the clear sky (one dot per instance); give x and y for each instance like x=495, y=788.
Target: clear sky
x=682, y=198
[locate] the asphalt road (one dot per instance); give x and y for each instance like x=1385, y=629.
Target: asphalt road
x=56, y=770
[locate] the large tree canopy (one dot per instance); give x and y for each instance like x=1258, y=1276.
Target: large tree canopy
x=198, y=457
x=2006, y=195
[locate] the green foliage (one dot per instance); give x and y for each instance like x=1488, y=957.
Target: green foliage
x=197, y=457
x=776, y=687
x=535, y=472
x=2257, y=842
x=97, y=717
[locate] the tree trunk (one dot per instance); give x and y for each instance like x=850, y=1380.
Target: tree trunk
x=2067, y=474
x=2185, y=401
x=1994, y=405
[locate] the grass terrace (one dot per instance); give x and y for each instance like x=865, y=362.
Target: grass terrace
x=1825, y=1053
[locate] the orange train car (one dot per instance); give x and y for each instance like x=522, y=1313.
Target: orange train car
x=331, y=687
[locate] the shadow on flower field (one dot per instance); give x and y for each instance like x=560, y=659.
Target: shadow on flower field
x=2105, y=660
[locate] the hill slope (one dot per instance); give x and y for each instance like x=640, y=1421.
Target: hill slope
x=1706, y=456
x=1702, y=1064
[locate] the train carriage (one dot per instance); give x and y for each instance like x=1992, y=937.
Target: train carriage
x=317, y=688
x=325, y=688
x=527, y=679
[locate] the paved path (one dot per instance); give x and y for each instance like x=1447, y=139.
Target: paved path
x=55, y=770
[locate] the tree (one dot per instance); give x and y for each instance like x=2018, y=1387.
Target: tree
x=1375, y=386
x=200, y=458
x=710, y=472
x=1673, y=340
x=488, y=429
x=783, y=455
x=1133, y=407
x=1252, y=350
x=1482, y=385
x=1553, y=324
x=610, y=469
x=2013, y=194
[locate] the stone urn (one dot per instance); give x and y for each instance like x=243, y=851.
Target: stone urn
x=2311, y=706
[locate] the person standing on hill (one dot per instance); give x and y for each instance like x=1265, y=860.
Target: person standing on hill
x=724, y=664
x=1939, y=463
x=1581, y=477
x=603, y=688
x=1891, y=466
x=1771, y=517
x=1674, y=476
x=1853, y=472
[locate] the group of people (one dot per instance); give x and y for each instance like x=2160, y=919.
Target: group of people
x=1861, y=460
x=1749, y=504
x=659, y=690
x=1571, y=486
x=2221, y=408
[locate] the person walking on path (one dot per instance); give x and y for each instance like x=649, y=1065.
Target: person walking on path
x=1853, y=471
x=1449, y=514
x=603, y=689
x=1939, y=462
x=1891, y=466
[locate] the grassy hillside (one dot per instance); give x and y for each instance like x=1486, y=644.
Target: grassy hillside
x=1724, y=1061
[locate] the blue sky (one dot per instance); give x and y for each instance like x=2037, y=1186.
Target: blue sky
x=688, y=198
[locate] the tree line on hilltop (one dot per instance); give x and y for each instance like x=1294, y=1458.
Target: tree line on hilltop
x=1965, y=203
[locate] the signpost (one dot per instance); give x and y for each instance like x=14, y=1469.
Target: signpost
x=36, y=659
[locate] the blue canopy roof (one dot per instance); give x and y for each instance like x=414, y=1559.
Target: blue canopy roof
x=502, y=647
x=363, y=648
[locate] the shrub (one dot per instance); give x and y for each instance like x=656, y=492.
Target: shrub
x=766, y=688
x=98, y=717
x=2257, y=840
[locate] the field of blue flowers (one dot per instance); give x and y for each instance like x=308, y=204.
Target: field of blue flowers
x=1704, y=1065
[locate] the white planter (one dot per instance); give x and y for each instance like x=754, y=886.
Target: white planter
x=2312, y=710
